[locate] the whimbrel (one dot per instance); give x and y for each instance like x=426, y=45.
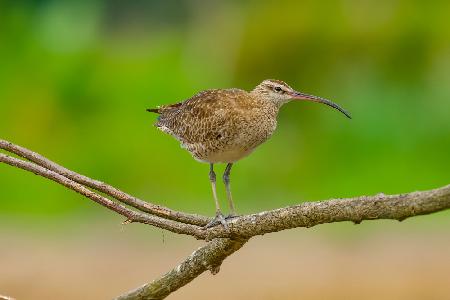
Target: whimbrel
x=226, y=125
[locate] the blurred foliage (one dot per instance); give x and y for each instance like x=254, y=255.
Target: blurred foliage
x=76, y=77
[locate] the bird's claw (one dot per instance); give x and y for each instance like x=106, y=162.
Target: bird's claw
x=231, y=216
x=219, y=219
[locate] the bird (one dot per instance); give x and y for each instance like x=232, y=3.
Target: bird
x=226, y=125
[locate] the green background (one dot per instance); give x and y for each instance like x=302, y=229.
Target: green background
x=76, y=78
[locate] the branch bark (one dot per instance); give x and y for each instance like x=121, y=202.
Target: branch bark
x=144, y=206
x=396, y=207
x=223, y=242
x=131, y=215
x=208, y=257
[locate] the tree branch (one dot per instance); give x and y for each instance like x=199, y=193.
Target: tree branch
x=131, y=215
x=396, y=207
x=144, y=206
x=208, y=257
x=224, y=242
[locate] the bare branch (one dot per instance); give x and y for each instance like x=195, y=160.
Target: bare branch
x=131, y=215
x=144, y=206
x=397, y=207
x=208, y=257
x=303, y=215
x=224, y=242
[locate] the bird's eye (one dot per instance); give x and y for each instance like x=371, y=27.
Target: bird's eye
x=278, y=89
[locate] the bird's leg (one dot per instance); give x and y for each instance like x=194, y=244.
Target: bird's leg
x=226, y=181
x=219, y=216
x=212, y=179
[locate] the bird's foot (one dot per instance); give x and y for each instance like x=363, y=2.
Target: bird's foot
x=219, y=219
x=231, y=216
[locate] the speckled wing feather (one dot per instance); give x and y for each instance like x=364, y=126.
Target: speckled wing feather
x=200, y=118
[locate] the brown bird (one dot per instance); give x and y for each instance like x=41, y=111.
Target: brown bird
x=226, y=125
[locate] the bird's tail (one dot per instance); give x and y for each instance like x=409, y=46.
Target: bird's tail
x=154, y=110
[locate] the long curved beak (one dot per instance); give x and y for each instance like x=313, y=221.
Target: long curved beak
x=303, y=96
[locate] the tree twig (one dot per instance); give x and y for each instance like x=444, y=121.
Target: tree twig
x=123, y=197
x=131, y=215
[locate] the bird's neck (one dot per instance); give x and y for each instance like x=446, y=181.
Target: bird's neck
x=265, y=103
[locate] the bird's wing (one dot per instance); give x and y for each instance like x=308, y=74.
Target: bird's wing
x=200, y=117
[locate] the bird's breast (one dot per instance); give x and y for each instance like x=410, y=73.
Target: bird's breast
x=256, y=130
x=236, y=139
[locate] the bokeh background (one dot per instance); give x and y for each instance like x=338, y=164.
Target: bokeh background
x=77, y=76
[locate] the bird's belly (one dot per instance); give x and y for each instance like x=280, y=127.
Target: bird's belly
x=225, y=156
x=230, y=149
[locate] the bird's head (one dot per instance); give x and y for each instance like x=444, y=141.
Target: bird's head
x=280, y=93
